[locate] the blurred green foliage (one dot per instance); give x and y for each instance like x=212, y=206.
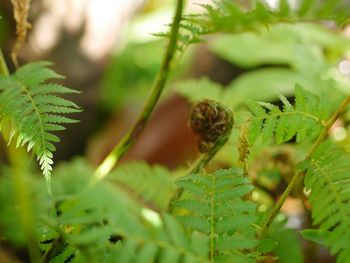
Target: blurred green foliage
x=276, y=58
x=130, y=74
x=129, y=216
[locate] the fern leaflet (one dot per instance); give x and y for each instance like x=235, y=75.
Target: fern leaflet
x=328, y=179
x=34, y=110
x=218, y=210
x=303, y=120
x=169, y=244
x=153, y=185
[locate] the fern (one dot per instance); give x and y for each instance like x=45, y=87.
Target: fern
x=169, y=244
x=34, y=110
x=153, y=185
x=328, y=179
x=189, y=33
x=106, y=223
x=232, y=17
x=286, y=243
x=67, y=255
x=304, y=120
x=217, y=208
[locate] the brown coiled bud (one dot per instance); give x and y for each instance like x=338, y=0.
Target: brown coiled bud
x=211, y=122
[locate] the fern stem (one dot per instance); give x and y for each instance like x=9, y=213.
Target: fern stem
x=18, y=159
x=299, y=174
x=328, y=125
x=212, y=229
x=203, y=160
x=198, y=166
x=206, y=156
x=3, y=66
x=130, y=138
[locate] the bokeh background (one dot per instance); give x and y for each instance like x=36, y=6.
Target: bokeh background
x=107, y=50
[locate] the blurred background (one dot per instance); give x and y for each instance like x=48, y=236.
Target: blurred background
x=107, y=50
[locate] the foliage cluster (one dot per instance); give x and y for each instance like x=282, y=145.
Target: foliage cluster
x=143, y=213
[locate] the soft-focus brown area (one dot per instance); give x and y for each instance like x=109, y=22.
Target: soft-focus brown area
x=8, y=257
x=166, y=139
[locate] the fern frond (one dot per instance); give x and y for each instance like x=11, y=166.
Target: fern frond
x=152, y=184
x=233, y=17
x=67, y=255
x=34, y=109
x=105, y=223
x=328, y=180
x=169, y=244
x=189, y=32
x=217, y=208
x=284, y=243
x=304, y=120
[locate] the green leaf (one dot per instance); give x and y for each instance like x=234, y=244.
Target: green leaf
x=266, y=245
x=315, y=235
x=327, y=177
x=217, y=210
x=288, y=248
x=34, y=109
x=305, y=120
x=92, y=216
x=153, y=184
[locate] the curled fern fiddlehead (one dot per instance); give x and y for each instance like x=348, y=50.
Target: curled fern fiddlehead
x=211, y=122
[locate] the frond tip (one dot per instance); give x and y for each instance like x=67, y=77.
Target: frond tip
x=304, y=120
x=34, y=110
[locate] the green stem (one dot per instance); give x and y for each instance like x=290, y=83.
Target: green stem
x=130, y=138
x=3, y=66
x=212, y=229
x=203, y=160
x=299, y=174
x=18, y=160
x=200, y=163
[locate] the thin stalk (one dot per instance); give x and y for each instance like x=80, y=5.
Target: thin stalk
x=203, y=160
x=130, y=138
x=3, y=66
x=199, y=164
x=300, y=174
x=18, y=162
x=212, y=230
